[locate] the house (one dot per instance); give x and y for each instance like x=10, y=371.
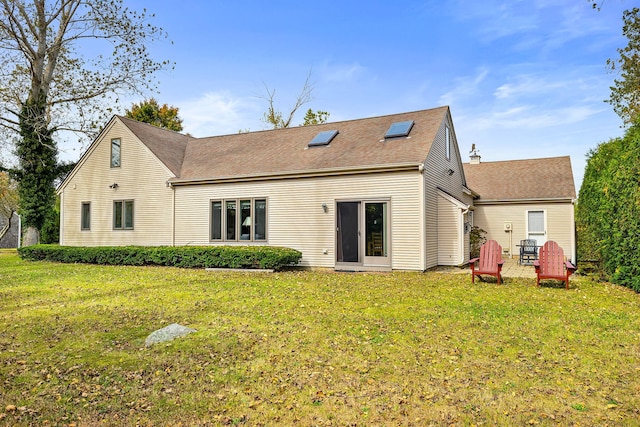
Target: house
x=524, y=199
x=380, y=193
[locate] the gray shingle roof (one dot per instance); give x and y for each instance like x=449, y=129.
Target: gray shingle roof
x=360, y=143
x=547, y=178
x=168, y=146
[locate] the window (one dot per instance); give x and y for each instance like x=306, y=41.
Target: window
x=216, y=220
x=399, y=129
x=123, y=215
x=115, y=153
x=230, y=216
x=244, y=219
x=85, y=216
x=447, y=142
x=323, y=138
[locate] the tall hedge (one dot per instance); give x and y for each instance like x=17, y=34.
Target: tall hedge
x=608, y=209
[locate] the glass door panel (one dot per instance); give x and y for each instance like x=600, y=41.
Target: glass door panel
x=376, y=234
x=375, y=215
x=348, y=232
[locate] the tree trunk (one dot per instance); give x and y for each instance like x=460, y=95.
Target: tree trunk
x=37, y=152
x=31, y=236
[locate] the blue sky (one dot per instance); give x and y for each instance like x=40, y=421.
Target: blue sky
x=524, y=79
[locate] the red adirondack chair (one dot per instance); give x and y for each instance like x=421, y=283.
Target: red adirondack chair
x=552, y=265
x=490, y=261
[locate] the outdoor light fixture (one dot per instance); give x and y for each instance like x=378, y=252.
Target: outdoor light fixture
x=114, y=186
x=325, y=208
x=450, y=172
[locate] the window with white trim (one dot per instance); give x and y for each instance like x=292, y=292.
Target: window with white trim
x=447, y=142
x=238, y=220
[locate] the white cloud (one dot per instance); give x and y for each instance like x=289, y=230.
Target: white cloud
x=464, y=87
x=218, y=113
x=339, y=73
x=531, y=118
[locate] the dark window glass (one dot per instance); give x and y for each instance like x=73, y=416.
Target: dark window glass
x=128, y=214
x=85, y=222
x=245, y=219
x=117, y=215
x=260, y=219
x=216, y=220
x=230, y=208
x=123, y=215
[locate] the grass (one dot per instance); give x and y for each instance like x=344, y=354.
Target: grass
x=312, y=348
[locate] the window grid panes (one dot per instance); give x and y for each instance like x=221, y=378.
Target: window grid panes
x=536, y=221
x=123, y=215
x=241, y=220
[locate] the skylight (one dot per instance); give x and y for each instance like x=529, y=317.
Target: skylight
x=399, y=129
x=323, y=138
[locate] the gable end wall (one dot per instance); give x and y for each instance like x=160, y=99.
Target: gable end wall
x=141, y=178
x=436, y=176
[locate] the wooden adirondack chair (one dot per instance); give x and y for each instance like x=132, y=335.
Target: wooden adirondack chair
x=490, y=261
x=551, y=264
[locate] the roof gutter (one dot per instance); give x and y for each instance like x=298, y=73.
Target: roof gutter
x=399, y=167
x=524, y=201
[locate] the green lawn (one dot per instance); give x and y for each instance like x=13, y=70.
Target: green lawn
x=312, y=348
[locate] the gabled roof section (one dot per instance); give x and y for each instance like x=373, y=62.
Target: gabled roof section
x=358, y=144
x=168, y=146
x=534, y=179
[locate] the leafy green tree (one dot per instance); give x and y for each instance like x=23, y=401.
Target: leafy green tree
x=149, y=111
x=315, y=117
x=625, y=93
x=49, y=86
x=607, y=217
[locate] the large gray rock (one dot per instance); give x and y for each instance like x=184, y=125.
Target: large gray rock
x=167, y=333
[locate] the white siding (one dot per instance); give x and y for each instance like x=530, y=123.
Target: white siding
x=436, y=175
x=296, y=218
x=90, y=183
x=560, y=225
x=448, y=233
